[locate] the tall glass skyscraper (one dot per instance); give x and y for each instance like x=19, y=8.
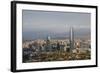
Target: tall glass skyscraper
x=48, y=47
x=71, y=39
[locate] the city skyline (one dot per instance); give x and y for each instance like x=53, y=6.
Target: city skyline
x=40, y=24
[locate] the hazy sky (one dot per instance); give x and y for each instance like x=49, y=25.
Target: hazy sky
x=40, y=24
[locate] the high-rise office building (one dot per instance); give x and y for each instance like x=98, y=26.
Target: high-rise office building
x=48, y=47
x=71, y=39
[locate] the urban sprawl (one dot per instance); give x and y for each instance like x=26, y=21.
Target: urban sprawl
x=41, y=50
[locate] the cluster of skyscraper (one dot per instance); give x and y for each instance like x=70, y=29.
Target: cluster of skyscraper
x=35, y=48
x=71, y=42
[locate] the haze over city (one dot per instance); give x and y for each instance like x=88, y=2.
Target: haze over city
x=40, y=24
x=55, y=36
